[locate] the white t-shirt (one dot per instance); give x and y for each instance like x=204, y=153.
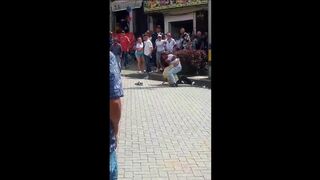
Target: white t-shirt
x=139, y=45
x=147, y=46
x=160, y=45
x=170, y=44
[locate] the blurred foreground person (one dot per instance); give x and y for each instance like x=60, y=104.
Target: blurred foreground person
x=117, y=50
x=116, y=91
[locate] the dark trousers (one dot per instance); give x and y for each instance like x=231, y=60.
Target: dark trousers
x=125, y=60
x=147, y=61
x=154, y=58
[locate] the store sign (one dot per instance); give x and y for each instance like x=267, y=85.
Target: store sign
x=156, y=5
x=123, y=5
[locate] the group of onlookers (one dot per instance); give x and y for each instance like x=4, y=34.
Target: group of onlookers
x=150, y=47
x=120, y=47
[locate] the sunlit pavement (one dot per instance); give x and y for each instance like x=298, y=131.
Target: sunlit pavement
x=165, y=132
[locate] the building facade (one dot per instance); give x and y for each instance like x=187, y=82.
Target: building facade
x=174, y=14
x=127, y=15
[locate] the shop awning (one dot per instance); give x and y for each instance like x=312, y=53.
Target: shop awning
x=160, y=6
x=121, y=5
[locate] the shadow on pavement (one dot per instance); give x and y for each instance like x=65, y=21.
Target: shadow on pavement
x=135, y=76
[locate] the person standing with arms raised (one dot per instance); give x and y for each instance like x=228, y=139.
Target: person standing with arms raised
x=154, y=37
x=160, y=47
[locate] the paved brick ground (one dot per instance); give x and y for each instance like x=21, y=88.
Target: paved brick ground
x=157, y=144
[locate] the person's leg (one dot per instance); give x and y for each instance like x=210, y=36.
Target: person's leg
x=126, y=59
x=160, y=63
x=138, y=60
x=177, y=69
x=171, y=76
x=165, y=72
x=142, y=63
x=113, y=165
x=172, y=73
x=153, y=59
x=119, y=61
x=147, y=62
x=158, y=60
x=138, y=64
x=122, y=60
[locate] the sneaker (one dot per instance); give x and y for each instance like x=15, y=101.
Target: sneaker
x=173, y=85
x=138, y=83
x=139, y=72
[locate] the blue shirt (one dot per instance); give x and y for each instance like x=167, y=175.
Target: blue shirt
x=116, y=92
x=116, y=49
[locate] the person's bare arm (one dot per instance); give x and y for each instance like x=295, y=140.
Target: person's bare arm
x=115, y=114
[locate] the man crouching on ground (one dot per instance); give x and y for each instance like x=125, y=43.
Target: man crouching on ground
x=116, y=92
x=171, y=71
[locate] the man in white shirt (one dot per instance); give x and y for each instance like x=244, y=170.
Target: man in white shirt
x=148, y=48
x=170, y=43
x=175, y=68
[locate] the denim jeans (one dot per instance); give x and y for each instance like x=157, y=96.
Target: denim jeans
x=147, y=61
x=158, y=59
x=125, y=60
x=113, y=166
x=172, y=74
x=119, y=61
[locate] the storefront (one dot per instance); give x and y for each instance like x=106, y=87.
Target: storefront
x=123, y=15
x=190, y=14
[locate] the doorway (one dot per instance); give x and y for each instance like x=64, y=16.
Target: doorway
x=174, y=27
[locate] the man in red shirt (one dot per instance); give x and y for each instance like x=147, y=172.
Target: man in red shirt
x=125, y=44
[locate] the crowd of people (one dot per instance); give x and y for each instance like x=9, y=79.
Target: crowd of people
x=149, y=49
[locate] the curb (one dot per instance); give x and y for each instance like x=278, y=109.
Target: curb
x=158, y=77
